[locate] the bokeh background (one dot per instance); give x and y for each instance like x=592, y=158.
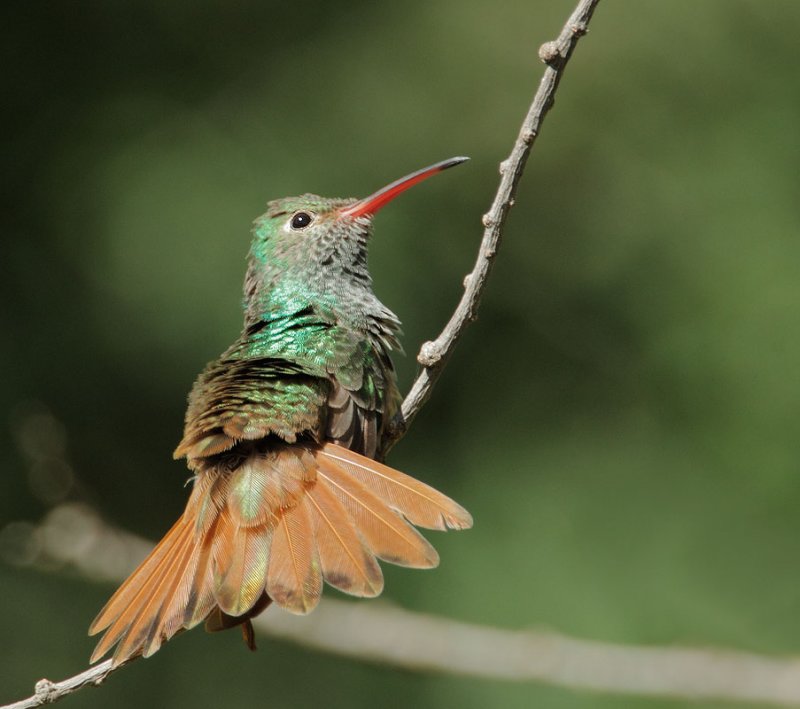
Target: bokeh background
x=622, y=419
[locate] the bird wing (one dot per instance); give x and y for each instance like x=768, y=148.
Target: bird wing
x=237, y=399
x=363, y=398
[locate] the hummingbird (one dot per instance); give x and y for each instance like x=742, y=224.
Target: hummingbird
x=283, y=438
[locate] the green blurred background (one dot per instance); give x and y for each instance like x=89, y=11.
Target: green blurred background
x=621, y=421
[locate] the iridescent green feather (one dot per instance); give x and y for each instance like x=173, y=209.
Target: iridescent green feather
x=312, y=328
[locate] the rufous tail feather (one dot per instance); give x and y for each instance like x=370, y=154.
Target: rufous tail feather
x=271, y=530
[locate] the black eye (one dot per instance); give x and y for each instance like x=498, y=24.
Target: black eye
x=301, y=220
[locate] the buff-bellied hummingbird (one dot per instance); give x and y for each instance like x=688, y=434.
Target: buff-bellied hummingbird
x=282, y=434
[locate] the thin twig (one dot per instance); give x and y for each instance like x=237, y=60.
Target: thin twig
x=381, y=633
x=433, y=355
x=47, y=692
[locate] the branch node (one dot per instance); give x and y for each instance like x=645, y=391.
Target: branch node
x=579, y=29
x=429, y=354
x=45, y=691
x=529, y=136
x=467, y=280
x=503, y=167
x=487, y=220
x=550, y=53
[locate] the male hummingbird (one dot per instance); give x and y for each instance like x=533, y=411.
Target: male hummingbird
x=281, y=436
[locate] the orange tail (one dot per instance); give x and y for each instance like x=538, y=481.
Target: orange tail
x=273, y=529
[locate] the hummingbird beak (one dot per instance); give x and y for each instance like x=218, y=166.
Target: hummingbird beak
x=370, y=205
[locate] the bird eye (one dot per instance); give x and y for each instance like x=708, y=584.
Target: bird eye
x=301, y=220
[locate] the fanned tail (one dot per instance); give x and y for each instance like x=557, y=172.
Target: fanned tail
x=271, y=530
x=137, y=612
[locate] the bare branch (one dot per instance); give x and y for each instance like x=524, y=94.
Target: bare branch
x=434, y=644
x=382, y=633
x=47, y=692
x=433, y=355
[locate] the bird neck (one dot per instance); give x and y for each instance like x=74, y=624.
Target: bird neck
x=286, y=310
